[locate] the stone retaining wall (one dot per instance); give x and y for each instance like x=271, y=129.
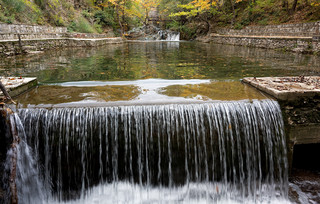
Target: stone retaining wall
x=35, y=29
x=303, y=45
x=15, y=47
x=298, y=30
x=15, y=36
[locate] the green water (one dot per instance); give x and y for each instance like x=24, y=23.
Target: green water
x=152, y=72
x=165, y=60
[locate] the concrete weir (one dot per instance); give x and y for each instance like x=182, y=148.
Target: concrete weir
x=18, y=85
x=299, y=98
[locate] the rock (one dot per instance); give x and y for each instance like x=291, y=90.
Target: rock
x=151, y=32
x=299, y=50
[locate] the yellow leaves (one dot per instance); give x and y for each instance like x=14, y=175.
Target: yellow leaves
x=195, y=7
x=149, y=4
x=201, y=4
x=315, y=3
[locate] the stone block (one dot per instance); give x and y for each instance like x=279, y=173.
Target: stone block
x=316, y=38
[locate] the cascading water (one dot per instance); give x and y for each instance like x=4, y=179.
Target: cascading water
x=168, y=35
x=20, y=168
x=230, y=152
x=151, y=32
x=173, y=36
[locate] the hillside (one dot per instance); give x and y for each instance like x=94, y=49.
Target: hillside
x=77, y=15
x=190, y=17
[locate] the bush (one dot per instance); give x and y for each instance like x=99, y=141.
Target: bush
x=187, y=31
x=98, y=28
x=81, y=25
x=104, y=17
x=16, y=6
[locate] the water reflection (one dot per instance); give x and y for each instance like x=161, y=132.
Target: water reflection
x=150, y=91
x=165, y=60
x=60, y=94
x=232, y=90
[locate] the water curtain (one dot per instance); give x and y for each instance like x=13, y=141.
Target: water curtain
x=236, y=149
x=182, y=153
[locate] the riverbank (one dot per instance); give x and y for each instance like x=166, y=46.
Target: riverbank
x=20, y=39
x=14, y=47
x=302, y=37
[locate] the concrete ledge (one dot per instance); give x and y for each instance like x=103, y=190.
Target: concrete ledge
x=18, y=85
x=265, y=37
x=299, y=99
x=287, y=88
x=305, y=134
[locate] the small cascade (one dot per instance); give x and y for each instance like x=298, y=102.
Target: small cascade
x=151, y=32
x=213, y=152
x=21, y=173
x=173, y=36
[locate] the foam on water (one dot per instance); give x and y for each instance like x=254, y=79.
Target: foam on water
x=125, y=192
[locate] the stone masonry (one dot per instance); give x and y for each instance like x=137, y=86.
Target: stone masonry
x=299, y=99
x=32, y=29
x=295, y=30
x=301, y=37
x=18, y=39
x=14, y=47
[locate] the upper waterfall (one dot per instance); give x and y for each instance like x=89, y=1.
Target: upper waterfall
x=151, y=32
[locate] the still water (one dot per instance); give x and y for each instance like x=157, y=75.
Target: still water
x=164, y=60
x=146, y=72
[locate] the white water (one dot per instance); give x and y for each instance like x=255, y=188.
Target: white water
x=125, y=192
x=173, y=37
x=28, y=180
x=230, y=152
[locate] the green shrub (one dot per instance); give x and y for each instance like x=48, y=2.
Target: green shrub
x=16, y=6
x=264, y=21
x=72, y=26
x=98, y=27
x=104, y=17
x=87, y=14
x=186, y=31
x=238, y=26
x=81, y=25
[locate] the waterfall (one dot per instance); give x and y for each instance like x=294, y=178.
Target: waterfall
x=173, y=36
x=212, y=152
x=151, y=32
x=27, y=180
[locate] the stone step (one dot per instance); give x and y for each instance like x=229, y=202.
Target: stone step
x=18, y=85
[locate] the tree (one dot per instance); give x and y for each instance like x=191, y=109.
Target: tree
x=146, y=7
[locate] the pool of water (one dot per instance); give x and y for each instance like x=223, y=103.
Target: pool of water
x=152, y=72
x=164, y=60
